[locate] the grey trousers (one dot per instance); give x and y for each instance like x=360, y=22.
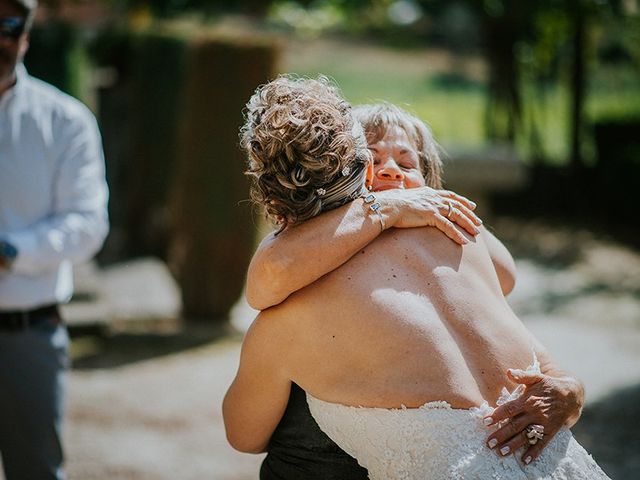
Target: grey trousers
x=32, y=376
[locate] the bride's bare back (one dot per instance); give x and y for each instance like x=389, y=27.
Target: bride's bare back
x=411, y=319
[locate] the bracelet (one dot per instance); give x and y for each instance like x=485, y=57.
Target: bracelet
x=371, y=200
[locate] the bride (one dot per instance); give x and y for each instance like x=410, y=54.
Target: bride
x=402, y=350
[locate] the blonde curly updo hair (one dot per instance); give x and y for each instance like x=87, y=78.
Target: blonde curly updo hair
x=377, y=119
x=306, y=152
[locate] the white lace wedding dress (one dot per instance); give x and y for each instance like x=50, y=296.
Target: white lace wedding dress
x=438, y=442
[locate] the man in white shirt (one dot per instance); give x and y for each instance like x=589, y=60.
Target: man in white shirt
x=53, y=212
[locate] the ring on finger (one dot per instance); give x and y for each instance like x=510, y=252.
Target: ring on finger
x=451, y=209
x=534, y=433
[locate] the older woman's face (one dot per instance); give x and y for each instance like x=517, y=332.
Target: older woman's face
x=396, y=163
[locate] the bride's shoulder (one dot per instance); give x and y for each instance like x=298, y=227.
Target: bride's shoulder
x=270, y=327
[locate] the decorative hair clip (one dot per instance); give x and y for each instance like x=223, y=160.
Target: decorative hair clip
x=321, y=191
x=346, y=171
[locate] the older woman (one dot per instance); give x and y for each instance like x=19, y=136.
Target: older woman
x=414, y=328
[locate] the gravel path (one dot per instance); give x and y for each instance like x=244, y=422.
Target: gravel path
x=146, y=405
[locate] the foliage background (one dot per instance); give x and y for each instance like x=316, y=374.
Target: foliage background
x=555, y=82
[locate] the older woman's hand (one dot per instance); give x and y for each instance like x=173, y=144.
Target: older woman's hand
x=428, y=207
x=551, y=402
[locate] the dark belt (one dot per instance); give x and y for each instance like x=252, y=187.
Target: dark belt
x=22, y=319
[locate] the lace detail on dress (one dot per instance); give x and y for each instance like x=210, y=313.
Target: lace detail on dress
x=436, y=441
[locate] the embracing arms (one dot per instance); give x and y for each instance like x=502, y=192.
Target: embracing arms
x=503, y=262
x=551, y=399
x=301, y=254
x=258, y=395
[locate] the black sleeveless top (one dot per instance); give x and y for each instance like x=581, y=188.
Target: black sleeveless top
x=298, y=448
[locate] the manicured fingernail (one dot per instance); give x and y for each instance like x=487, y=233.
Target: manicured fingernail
x=488, y=421
x=493, y=442
x=504, y=450
x=473, y=204
x=477, y=230
x=527, y=460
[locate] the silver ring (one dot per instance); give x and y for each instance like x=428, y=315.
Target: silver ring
x=534, y=433
x=451, y=209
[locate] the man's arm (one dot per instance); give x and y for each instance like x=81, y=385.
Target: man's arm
x=258, y=396
x=78, y=223
x=300, y=255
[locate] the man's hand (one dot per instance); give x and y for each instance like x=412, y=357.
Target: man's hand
x=427, y=207
x=547, y=401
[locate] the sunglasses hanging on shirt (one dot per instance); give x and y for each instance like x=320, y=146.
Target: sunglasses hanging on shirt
x=11, y=27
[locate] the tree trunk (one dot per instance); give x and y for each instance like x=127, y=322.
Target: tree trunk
x=504, y=103
x=577, y=79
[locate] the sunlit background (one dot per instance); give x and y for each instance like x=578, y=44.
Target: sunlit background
x=535, y=103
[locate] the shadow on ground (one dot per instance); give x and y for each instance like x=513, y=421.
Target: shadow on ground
x=610, y=431
x=94, y=349
x=548, y=244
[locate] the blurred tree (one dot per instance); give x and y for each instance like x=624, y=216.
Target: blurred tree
x=555, y=37
x=549, y=28
x=547, y=41
x=505, y=24
x=563, y=36
x=578, y=14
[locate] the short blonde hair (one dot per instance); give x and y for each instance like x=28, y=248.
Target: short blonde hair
x=301, y=138
x=378, y=118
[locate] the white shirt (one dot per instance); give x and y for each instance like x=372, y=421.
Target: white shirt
x=53, y=193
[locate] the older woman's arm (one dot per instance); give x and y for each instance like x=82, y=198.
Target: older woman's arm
x=258, y=396
x=552, y=399
x=300, y=255
x=503, y=262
